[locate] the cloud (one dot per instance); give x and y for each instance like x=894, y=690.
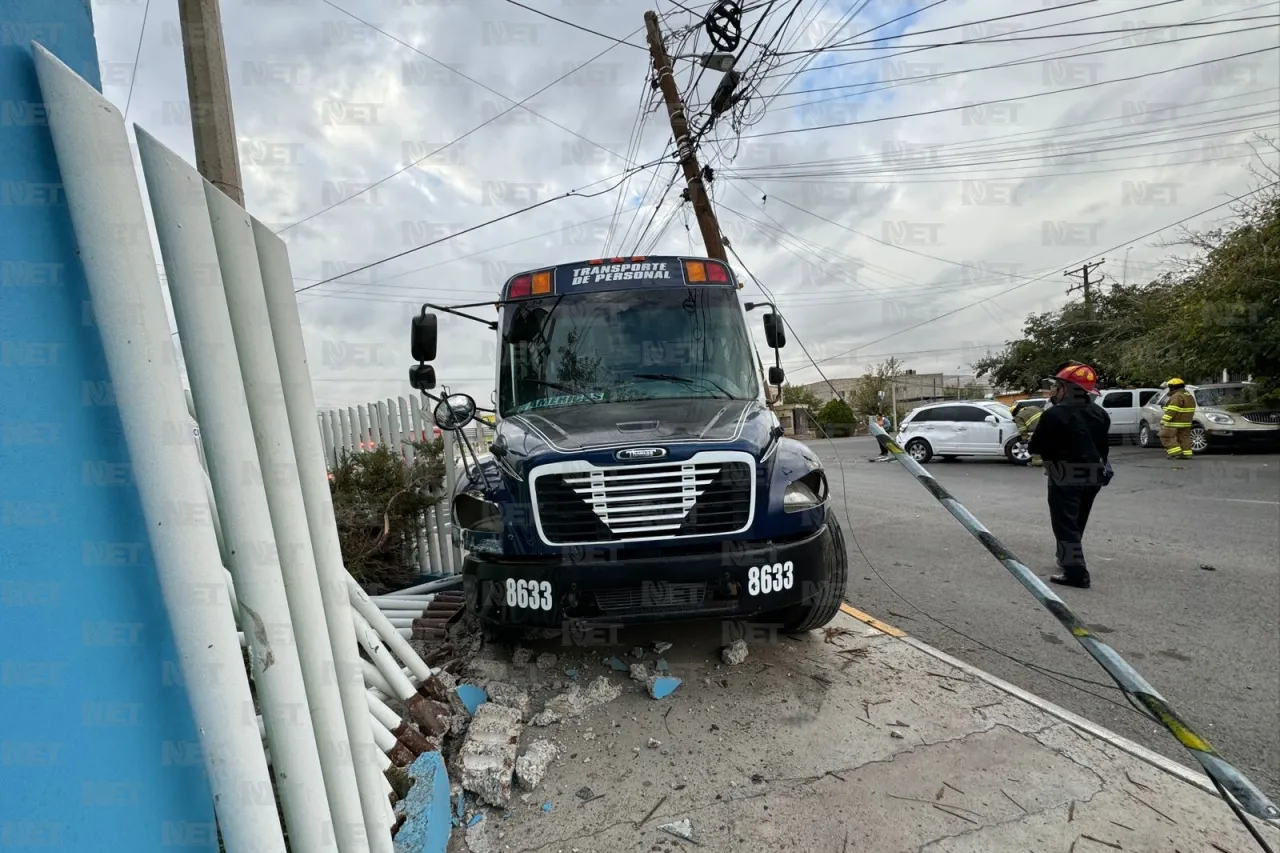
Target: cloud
x=865, y=232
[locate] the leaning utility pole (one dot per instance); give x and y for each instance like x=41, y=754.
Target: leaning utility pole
x=1086, y=284
x=684, y=143
x=209, y=92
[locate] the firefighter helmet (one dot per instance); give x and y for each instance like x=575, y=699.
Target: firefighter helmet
x=1175, y=383
x=1079, y=374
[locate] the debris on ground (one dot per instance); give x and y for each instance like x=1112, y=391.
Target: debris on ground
x=584, y=793
x=659, y=648
x=472, y=697
x=572, y=673
x=680, y=829
x=485, y=669
x=546, y=807
x=1208, y=568
x=578, y=700
x=488, y=754
x=637, y=653
x=639, y=672
x=521, y=657
x=502, y=693
x=662, y=686
x=661, y=666
x=616, y=663
x=546, y=662
x=734, y=653
x=896, y=735
x=654, y=743
x=532, y=766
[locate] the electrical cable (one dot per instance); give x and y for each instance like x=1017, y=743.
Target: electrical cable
x=137, y=54
x=517, y=105
x=899, y=82
x=570, y=194
x=1026, y=97
x=577, y=26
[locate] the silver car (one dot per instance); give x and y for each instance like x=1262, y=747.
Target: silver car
x=1228, y=415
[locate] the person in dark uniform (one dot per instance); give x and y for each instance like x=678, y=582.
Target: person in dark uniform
x=1071, y=437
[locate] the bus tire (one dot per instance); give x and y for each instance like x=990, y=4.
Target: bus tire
x=811, y=615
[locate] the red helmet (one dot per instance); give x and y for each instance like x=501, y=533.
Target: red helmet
x=1079, y=374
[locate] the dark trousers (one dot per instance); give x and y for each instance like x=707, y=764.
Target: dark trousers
x=1069, y=508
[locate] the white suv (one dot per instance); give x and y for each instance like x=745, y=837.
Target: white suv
x=962, y=429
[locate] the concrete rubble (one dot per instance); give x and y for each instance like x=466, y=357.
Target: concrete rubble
x=577, y=700
x=734, y=653
x=547, y=662
x=533, y=764
x=639, y=672
x=503, y=693
x=823, y=746
x=488, y=754
x=521, y=657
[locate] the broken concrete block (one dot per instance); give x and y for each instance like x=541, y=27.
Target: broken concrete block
x=637, y=653
x=521, y=657
x=577, y=700
x=532, y=766
x=487, y=670
x=639, y=672
x=472, y=697
x=502, y=693
x=659, y=648
x=662, y=686
x=734, y=653
x=546, y=662
x=654, y=743
x=488, y=754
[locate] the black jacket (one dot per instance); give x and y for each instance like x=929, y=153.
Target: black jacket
x=1071, y=437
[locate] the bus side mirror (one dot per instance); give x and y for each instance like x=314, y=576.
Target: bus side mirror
x=776, y=376
x=422, y=377
x=422, y=339
x=773, y=332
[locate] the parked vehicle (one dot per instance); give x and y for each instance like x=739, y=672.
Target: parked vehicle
x=1227, y=416
x=1124, y=405
x=950, y=430
x=636, y=473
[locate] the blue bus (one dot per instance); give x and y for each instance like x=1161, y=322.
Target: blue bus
x=636, y=471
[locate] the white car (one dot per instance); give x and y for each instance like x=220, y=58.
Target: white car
x=1125, y=408
x=948, y=430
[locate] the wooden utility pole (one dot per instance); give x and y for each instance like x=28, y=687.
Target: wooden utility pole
x=1086, y=283
x=684, y=143
x=209, y=92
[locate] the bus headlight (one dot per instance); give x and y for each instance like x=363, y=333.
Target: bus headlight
x=473, y=512
x=805, y=493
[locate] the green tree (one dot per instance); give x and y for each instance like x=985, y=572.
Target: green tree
x=837, y=418
x=799, y=395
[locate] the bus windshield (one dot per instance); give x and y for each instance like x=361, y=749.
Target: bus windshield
x=641, y=344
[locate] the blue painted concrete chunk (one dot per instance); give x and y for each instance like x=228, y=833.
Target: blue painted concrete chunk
x=572, y=673
x=546, y=807
x=472, y=697
x=662, y=665
x=664, y=686
x=617, y=664
x=475, y=819
x=426, y=808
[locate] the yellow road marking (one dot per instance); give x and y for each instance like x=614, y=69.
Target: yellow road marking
x=872, y=621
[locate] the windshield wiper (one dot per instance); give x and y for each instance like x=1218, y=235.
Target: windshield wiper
x=686, y=380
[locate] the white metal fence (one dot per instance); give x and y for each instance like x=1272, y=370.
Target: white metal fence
x=397, y=423
x=274, y=548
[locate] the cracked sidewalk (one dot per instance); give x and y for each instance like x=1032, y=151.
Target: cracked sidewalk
x=864, y=742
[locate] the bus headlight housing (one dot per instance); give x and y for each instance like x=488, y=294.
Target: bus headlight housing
x=807, y=492
x=473, y=512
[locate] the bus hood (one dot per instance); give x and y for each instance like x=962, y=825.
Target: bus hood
x=681, y=426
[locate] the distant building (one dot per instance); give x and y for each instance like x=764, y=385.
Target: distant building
x=912, y=388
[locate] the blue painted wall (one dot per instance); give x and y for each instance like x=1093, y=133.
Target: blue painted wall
x=98, y=750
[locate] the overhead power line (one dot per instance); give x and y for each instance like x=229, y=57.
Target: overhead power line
x=1120, y=245
x=579, y=26
x=570, y=194
x=1025, y=97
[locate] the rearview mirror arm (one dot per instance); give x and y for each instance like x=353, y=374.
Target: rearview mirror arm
x=448, y=310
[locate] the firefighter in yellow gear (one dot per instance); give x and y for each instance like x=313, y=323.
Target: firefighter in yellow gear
x=1175, y=425
x=1026, y=420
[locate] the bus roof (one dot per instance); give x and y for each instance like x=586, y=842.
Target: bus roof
x=620, y=274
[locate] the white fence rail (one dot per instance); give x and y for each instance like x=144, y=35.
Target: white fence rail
x=397, y=423
x=274, y=548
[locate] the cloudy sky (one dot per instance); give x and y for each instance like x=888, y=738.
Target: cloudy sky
x=897, y=192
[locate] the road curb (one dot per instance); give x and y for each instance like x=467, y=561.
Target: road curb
x=1071, y=718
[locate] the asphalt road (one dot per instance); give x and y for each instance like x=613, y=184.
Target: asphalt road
x=1209, y=641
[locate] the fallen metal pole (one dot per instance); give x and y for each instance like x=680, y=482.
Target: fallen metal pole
x=432, y=586
x=402, y=688
x=1250, y=798
x=398, y=644
x=105, y=201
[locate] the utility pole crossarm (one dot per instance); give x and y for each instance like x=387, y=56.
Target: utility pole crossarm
x=707, y=223
x=1086, y=283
